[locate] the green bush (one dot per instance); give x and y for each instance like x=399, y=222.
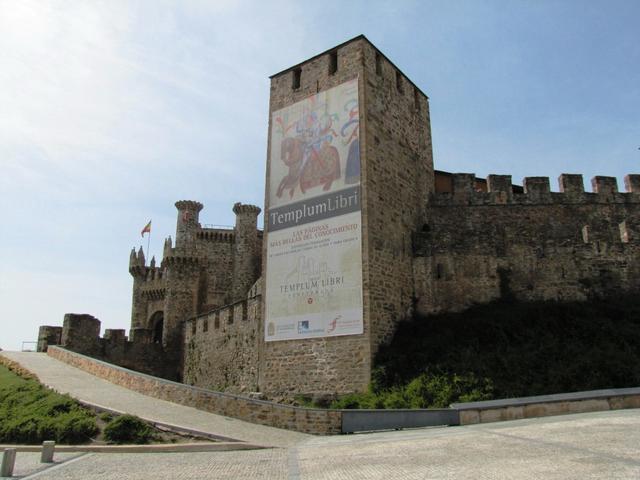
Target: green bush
x=30, y=413
x=105, y=417
x=429, y=390
x=440, y=390
x=128, y=429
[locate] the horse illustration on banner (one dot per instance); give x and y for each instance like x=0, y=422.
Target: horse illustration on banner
x=308, y=152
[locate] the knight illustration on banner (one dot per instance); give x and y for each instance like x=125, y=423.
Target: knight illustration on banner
x=311, y=145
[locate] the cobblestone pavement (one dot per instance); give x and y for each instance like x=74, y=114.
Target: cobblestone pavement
x=28, y=463
x=585, y=446
x=86, y=387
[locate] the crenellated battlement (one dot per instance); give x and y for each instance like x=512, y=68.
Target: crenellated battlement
x=246, y=209
x=231, y=333
x=137, y=262
x=537, y=191
x=535, y=244
x=216, y=235
x=177, y=259
x=153, y=294
x=189, y=205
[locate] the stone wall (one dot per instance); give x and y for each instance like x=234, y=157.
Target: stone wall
x=48, y=335
x=537, y=245
x=398, y=178
x=221, y=348
x=304, y=420
x=81, y=333
x=216, y=244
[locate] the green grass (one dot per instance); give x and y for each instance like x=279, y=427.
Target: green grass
x=30, y=413
x=506, y=349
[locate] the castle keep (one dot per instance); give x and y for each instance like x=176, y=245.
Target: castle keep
x=360, y=233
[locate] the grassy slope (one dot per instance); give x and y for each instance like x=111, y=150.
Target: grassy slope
x=506, y=349
x=30, y=413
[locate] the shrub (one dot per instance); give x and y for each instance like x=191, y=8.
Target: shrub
x=128, y=429
x=30, y=413
x=506, y=349
x=105, y=417
x=439, y=390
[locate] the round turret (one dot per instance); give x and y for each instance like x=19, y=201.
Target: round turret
x=247, y=250
x=187, y=225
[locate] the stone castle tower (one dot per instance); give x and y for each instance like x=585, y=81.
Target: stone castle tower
x=207, y=268
x=397, y=178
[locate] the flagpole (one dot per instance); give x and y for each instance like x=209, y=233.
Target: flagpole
x=148, y=244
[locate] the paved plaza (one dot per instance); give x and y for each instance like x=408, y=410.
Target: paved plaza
x=603, y=445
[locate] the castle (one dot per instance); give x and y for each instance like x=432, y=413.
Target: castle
x=360, y=233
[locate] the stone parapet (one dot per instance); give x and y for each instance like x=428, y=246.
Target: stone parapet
x=306, y=420
x=81, y=333
x=537, y=191
x=547, y=405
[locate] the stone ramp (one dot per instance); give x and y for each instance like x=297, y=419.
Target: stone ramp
x=103, y=394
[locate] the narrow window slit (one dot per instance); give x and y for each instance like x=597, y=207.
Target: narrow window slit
x=297, y=73
x=333, y=62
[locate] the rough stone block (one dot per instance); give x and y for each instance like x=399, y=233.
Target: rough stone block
x=115, y=335
x=469, y=417
x=571, y=183
x=545, y=409
x=632, y=183
x=631, y=401
x=463, y=183
x=48, y=335
x=499, y=183
x=141, y=335
x=80, y=332
x=594, y=405
x=536, y=187
x=604, y=184
x=491, y=415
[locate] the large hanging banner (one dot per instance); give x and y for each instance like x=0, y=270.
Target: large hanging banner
x=314, y=252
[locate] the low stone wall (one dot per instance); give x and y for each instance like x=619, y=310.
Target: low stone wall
x=306, y=420
x=324, y=422
x=547, y=405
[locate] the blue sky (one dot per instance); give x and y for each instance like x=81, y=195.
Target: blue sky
x=111, y=111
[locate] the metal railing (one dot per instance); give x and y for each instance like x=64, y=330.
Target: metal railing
x=28, y=349
x=371, y=420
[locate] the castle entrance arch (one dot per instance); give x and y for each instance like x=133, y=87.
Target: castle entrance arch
x=157, y=324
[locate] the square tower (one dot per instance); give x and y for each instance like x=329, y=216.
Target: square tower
x=349, y=174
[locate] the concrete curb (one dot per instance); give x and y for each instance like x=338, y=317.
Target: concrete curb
x=161, y=425
x=164, y=447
